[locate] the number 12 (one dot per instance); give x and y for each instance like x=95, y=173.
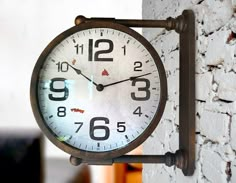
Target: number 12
x=97, y=54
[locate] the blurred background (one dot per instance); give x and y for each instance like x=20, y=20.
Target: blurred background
x=26, y=27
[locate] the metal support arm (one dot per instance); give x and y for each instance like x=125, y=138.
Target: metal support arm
x=178, y=24
x=169, y=159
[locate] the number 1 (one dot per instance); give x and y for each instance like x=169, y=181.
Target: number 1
x=124, y=47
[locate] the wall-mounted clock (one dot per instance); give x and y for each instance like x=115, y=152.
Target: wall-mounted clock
x=99, y=89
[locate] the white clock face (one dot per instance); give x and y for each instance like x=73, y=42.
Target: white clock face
x=98, y=90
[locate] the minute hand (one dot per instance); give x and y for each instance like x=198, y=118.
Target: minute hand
x=131, y=79
x=78, y=71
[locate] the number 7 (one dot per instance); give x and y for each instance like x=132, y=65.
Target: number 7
x=80, y=125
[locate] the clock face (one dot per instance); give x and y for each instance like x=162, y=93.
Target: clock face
x=98, y=90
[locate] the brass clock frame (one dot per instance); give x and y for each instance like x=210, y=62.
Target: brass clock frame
x=184, y=157
x=83, y=154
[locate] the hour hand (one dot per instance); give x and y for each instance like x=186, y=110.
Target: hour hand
x=129, y=79
x=134, y=77
x=78, y=71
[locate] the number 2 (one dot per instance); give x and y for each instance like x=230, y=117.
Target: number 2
x=137, y=66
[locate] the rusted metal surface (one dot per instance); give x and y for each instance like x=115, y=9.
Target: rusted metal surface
x=170, y=23
x=169, y=159
x=187, y=93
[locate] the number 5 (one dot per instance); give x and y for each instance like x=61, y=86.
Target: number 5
x=121, y=126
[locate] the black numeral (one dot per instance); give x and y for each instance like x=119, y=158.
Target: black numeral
x=80, y=124
x=138, y=111
x=62, y=66
x=124, y=47
x=79, y=48
x=61, y=111
x=121, y=127
x=99, y=132
x=144, y=89
x=98, y=54
x=137, y=66
x=64, y=90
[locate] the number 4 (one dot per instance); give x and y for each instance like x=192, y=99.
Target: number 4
x=138, y=111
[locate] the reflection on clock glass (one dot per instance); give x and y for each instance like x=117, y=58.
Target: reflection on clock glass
x=98, y=90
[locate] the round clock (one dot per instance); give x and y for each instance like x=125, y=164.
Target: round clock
x=98, y=90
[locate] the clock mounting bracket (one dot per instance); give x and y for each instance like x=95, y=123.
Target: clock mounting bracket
x=184, y=157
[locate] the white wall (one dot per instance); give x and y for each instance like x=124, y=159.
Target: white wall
x=26, y=27
x=215, y=91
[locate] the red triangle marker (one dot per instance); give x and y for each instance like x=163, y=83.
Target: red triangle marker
x=105, y=73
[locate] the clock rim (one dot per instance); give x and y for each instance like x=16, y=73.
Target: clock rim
x=91, y=155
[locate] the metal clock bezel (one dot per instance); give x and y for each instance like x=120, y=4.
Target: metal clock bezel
x=89, y=155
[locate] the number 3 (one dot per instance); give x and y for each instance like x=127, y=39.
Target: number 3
x=145, y=89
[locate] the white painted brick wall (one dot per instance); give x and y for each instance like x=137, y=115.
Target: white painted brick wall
x=215, y=91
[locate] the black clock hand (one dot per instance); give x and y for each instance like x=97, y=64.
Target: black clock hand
x=131, y=79
x=134, y=77
x=100, y=87
x=78, y=71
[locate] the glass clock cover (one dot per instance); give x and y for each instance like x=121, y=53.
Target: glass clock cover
x=98, y=90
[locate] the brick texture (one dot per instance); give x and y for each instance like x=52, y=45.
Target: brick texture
x=215, y=91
